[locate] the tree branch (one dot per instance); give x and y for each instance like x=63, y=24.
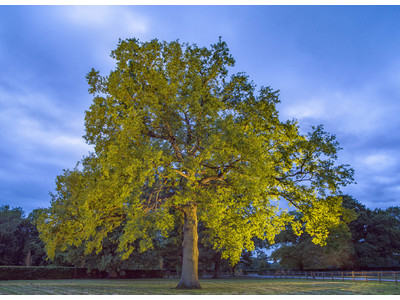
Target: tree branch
x=181, y=173
x=205, y=181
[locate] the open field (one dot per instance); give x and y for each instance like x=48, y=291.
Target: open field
x=233, y=286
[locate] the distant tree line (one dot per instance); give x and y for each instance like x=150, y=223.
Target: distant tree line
x=371, y=239
x=19, y=239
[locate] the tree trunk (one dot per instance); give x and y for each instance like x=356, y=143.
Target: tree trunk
x=217, y=266
x=233, y=271
x=189, y=275
x=161, y=263
x=28, y=258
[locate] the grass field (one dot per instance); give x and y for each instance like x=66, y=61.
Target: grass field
x=209, y=287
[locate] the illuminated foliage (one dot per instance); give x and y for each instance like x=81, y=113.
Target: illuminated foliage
x=176, y=138
x=300, y=253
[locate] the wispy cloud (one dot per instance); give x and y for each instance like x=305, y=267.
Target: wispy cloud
x=350, y=111
x=364, y=117
x=34, y=120
x=105, y=18
x=378, y=162
x=98, y=28
x=39, y=139
x=312, y=108
x=39, y=131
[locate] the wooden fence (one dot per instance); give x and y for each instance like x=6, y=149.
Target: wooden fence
x=387, y=276
x=380, y=276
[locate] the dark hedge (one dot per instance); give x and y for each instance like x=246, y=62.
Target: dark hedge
x=143, y=274
x=48, y=272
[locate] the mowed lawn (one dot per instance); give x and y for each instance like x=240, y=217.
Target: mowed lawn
x=234, y=286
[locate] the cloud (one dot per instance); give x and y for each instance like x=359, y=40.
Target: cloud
x=51, y=142
x=379, y=161
x=96, y=29
x=311, y=108
x=104, y=22
x=40, y=137
x=364, y=118
x=38, y=129
x=105, y=18
x=376, y=173
x=349, y=111
x=394, y=189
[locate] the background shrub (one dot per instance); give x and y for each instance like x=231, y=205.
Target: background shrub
x=49, y=272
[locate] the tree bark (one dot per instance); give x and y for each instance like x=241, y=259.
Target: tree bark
x=190, y=259
x=28, y=258
x=217, y=266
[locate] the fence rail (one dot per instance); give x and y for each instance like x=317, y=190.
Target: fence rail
x=391, y=276
x=380, y=276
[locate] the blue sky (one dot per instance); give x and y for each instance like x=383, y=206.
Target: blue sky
x=334, y=65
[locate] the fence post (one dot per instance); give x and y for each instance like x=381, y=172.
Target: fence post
x=352, y=273
x=365, y=273
x=342, y=276
x=332, y=275
x=379, y=277
x=322, y=275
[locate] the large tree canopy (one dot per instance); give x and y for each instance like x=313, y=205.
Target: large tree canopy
x=176, y=137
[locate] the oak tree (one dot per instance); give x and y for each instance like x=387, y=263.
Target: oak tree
x=177, y=138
